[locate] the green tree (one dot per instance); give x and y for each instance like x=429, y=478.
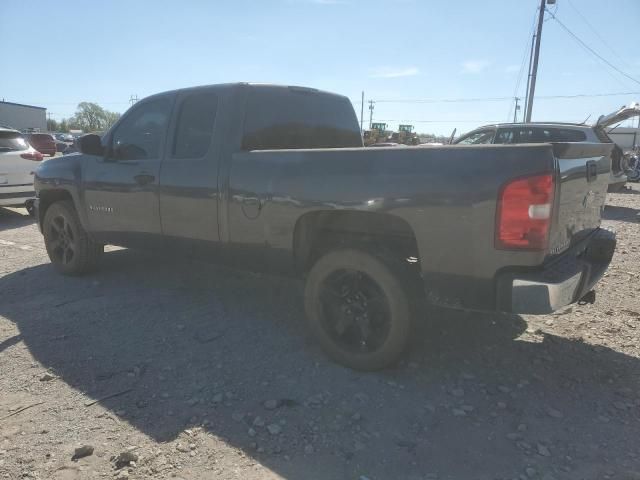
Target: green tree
x=63, y=125
x=52, y=125
x=110, y=118
x=91, y=117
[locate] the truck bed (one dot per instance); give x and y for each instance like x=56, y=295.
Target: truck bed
x=447, y=195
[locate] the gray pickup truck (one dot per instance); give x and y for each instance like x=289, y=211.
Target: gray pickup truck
x=276, y=178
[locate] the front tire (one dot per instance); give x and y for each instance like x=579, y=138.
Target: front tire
x=358, y=308
x=70, y=248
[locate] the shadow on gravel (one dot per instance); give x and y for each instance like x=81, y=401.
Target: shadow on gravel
x=10, y=219
x=628, y=214
x=629, y=191
x=204, y=346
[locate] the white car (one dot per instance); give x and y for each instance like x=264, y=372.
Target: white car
x=18, y=160
x=540, y=132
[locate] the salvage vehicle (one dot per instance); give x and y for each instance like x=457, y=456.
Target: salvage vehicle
x=538, y=132
x=17, y=165
x=276, y=178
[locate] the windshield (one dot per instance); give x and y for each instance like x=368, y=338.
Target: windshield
x=12, y=141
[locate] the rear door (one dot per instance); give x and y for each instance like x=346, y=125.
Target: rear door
x=581, y=191
x=14, y=170
x=189, y=174
x=121, y=188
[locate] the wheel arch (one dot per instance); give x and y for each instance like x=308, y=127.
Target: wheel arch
x=316, y=232
x=48, y=197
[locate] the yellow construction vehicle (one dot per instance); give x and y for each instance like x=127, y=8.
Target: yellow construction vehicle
x=406, y=135
x=377, y=134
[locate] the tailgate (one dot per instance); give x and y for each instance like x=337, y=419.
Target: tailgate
x=581, y=191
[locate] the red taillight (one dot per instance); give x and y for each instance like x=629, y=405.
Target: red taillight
x=524, y=213
x=37, y=156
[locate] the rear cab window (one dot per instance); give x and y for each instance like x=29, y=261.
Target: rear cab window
x=293, y=118
x=12, y=141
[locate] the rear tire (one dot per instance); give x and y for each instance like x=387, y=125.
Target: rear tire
x=70, y=248
x=358, y=308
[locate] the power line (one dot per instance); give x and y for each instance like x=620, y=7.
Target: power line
x=607, y=62
x=412, y=100
x=435, y=121
x=443, y=100
x=501, y=99
x=591, y=27
x=76, y=103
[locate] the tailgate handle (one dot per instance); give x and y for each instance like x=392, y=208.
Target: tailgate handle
x=592, y=170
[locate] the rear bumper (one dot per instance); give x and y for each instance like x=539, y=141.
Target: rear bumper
x=564, y=281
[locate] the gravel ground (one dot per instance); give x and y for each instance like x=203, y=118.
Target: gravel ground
x=191, y=371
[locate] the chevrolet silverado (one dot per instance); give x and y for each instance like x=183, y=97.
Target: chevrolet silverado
x=276, y=178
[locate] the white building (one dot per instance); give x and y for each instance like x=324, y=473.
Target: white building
x=625, y=137
x=23, y=117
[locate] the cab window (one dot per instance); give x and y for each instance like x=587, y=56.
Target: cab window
x=295, y=118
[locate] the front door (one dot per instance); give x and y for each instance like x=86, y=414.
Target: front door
x=121, y=188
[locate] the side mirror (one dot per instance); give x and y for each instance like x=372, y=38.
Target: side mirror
x=91, y=144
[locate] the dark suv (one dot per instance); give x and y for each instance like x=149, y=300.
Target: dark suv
x=514, y=133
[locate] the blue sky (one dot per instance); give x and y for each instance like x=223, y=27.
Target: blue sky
x=74, y=51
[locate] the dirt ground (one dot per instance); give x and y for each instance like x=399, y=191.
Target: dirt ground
x=193, y=371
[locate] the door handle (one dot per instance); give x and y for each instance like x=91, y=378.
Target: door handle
x=144, y=178
x=592, y=170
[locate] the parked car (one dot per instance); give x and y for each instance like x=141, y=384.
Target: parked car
x=61, y=146
x=64, y=137
x=277, y=178
x=43, y=142
x=514, y=133
x=17, y=159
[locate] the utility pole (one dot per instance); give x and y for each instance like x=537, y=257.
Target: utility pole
x=533, y=67
x=362, y=113
x=371, y=107
x=133, y=99
x=515, y=110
